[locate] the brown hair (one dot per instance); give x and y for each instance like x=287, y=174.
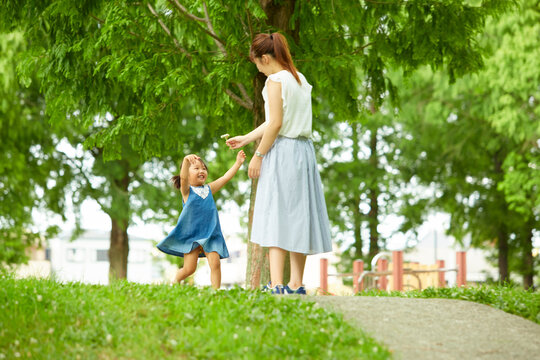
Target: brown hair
x=176, y=181
x=275, y=45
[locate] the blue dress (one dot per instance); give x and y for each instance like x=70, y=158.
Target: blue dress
x=198, y=224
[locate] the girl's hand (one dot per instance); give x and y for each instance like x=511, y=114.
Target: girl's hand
x=240, y=157
x=192, y=158
x=236, y=142
x=254, y=170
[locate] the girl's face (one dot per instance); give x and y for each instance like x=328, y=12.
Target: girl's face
x=197, y=174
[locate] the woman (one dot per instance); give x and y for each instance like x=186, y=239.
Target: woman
x=290, y=211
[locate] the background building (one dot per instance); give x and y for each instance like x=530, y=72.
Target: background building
x=86, y=258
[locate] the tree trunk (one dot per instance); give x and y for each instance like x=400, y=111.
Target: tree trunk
x=528, y=263
x=279, y=15
x=502, y=233
x=119, y=247
x=257, y=272
x=118, y=250
x=257, y=265
x=373, y=214
x=357, y=219
x=503, y=255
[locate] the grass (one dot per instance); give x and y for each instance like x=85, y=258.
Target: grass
x=45, y=319
x=511, y=299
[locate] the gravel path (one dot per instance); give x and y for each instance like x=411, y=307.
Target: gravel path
x=439, y=328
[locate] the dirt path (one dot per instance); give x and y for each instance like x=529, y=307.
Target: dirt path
x=439, y=328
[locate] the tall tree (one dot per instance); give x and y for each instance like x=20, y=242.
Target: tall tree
x=480, y=142
x=32, y=174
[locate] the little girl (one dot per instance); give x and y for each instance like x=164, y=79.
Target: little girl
x=198, y=233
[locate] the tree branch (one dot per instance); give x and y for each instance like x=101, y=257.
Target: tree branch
x=382, y=2
x=187, y=13
x=79, y=167
x=184, y=12
x=245, y=95
x=362, y=48
x=211, y=29
x=241, y=102
x=166, y=29
x=245, y=101
x=101, y=21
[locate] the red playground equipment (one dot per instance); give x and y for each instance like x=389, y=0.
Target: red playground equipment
x=385, y=272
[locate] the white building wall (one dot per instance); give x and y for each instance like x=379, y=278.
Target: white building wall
x=86, y=260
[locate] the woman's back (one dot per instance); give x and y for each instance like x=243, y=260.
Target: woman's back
x=297, y=116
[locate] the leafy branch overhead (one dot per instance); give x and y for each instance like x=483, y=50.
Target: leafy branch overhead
x=183, y=58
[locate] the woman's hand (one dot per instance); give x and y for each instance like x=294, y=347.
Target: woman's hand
x=240, y=157
x=237, y=142
x=254, y=170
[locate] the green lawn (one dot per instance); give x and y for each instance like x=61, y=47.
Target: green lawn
x=44, y=319
x=511, y=299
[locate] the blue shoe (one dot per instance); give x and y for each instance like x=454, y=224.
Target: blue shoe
x=278, y=289
x=300, y=291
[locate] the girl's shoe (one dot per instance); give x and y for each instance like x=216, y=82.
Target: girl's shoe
x=300, y=291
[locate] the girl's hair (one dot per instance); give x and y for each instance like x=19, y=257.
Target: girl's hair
x=176, y=181
x=276, y=45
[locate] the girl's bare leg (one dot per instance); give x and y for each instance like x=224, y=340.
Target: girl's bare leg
x=298, y=262
x=215, y=268
x=277, y=262
x=190, y=265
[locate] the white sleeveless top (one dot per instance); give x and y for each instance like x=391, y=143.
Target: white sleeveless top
x=297, y=116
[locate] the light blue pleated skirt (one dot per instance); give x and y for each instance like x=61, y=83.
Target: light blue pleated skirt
x=290, y=210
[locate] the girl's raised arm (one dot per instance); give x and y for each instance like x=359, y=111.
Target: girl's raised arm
x=184, y=175
x=216, y=185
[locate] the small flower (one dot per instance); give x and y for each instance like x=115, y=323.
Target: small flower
x=51, y=330
x=16, y=342
x=39, y=298
x=17, y=355
x=173, y=342
x=33, y=341
x=109, y=338
x=248, y=328
x=2, y=356
x=235, y=336
x=283, y=333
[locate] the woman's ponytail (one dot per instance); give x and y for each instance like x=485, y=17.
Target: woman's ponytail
x=276, y=45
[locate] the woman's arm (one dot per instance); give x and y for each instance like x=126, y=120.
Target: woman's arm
x=242, y=140
x=216, y=185
x=275, y=104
